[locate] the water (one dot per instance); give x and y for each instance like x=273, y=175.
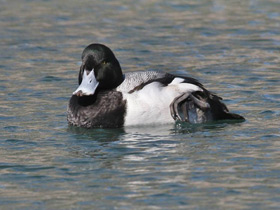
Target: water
x=230, y=46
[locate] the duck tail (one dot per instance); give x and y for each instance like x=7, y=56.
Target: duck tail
x=220, y=111
x=232, y=116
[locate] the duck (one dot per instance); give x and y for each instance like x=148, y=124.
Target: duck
x=108, y=98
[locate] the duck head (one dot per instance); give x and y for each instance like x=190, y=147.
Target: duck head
x=100, y=70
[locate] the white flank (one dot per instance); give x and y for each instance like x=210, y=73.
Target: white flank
x=150, y=105
x=176, y=80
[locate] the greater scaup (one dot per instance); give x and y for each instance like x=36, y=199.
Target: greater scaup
x=108, y=98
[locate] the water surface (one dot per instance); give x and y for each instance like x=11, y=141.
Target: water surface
x=231, y=47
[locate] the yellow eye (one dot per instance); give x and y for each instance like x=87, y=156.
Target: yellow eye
x=104, y=62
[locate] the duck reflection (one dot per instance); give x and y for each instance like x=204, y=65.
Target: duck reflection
x=155, y=131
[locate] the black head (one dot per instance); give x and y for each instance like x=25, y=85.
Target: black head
x=101, y=60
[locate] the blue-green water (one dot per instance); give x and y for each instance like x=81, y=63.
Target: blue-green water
x=233, y=47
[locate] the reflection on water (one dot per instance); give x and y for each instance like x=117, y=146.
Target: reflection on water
x=231, y=47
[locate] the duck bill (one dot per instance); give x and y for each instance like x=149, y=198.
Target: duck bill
x=88, y=85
